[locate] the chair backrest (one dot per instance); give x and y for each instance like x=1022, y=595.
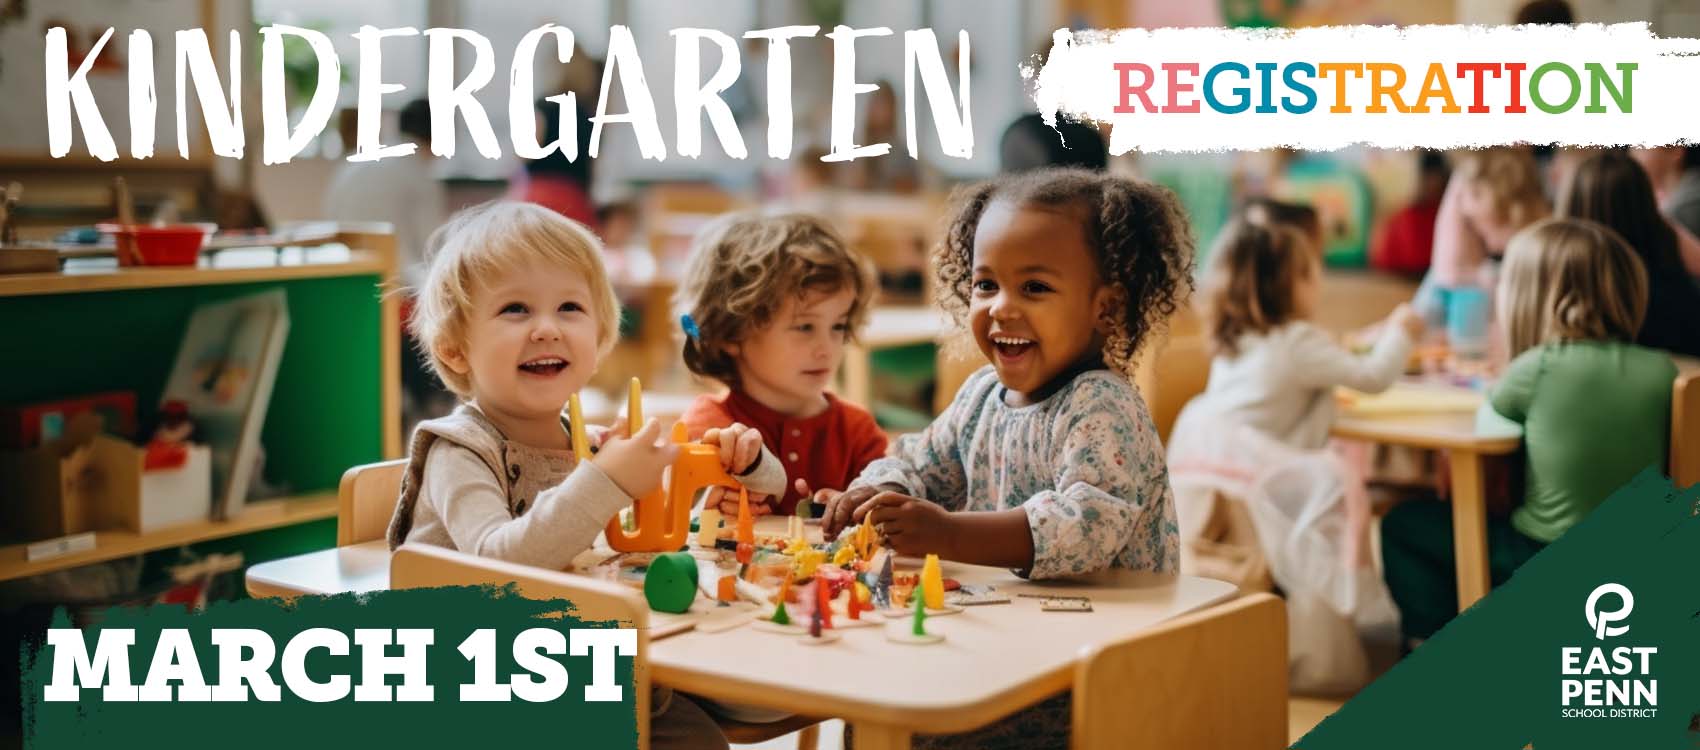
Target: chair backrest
x=1216, y=678
x=365, y=500
x=427, y=566
x=1174, y=370
x=1685, y=430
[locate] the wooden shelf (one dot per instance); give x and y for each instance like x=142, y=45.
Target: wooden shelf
x=356, y=262
x=110, y=545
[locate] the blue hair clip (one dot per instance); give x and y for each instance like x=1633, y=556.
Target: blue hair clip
x=690, y=326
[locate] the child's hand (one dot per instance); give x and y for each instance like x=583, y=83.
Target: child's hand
x=636, y=463
x=1407, y=318
x=739, y=446
x=760, y=505
x=911, y=526
x=840, y=506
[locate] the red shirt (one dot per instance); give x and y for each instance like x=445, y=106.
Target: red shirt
x=1406, y=243
x=826, y=450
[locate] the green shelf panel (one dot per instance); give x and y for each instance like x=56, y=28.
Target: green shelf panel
x=326, y=408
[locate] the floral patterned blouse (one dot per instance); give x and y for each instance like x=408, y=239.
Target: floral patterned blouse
x=1085, y=464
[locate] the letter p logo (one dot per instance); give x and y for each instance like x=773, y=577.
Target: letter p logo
x=1601, y=621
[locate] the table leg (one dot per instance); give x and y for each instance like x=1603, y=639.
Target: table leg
x=1469, y=527
x=881, y=737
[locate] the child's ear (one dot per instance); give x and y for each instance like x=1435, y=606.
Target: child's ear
x=1106, y=303
x=454, y=358
x=730, y=349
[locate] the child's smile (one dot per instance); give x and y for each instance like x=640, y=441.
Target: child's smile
x=544, y=367
x=1036, y=296
x=530, y=344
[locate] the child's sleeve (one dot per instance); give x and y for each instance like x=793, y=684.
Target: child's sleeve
x=562, y=521
x=1111, y=502
x=1319, y=362
x=1510, y=397
x=766, y=476
x=928, y=464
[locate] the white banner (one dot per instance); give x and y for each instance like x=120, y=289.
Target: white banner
x=1330, y=87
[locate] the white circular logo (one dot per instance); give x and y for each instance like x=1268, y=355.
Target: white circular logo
x=1601, y=621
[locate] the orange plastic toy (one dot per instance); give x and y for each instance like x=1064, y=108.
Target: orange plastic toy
x=663, y=517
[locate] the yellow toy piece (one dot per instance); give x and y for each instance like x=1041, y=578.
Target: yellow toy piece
x=932, y=583
x=808, y=560
x=846, y=555
x=863, y=540
x=797, y=546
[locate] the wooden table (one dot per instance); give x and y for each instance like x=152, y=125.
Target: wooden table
x=996, y=659
x=357, y=568
x=1455, y=432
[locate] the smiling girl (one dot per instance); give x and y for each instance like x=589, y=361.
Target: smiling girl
x=1047, y=460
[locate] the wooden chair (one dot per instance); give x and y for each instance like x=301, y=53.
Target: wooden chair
x=1174, y=370
x=1685, y=430
x=426, y=566
x=365, y=500
x=1222, y=674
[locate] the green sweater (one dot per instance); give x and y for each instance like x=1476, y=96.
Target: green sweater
x=1594, y=414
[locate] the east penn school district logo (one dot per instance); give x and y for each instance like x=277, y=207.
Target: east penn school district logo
x=1588, y=690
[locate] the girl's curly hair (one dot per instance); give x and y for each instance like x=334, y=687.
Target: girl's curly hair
x=1137, y=229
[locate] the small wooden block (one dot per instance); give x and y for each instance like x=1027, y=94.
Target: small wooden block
x=1066, y=605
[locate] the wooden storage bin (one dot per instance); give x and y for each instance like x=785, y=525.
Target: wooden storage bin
x=60, y=489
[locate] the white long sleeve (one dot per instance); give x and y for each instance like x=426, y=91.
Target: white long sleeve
x=1282, y=382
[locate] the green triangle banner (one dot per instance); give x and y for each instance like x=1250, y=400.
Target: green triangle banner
x=1594, y=643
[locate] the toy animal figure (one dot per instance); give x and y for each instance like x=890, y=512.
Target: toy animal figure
x=661, y=520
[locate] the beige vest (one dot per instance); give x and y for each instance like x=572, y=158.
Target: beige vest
x=525, y=471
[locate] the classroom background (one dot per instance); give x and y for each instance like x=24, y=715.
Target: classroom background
x=335, y=377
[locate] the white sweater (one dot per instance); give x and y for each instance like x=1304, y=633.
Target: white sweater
x=1282, y=382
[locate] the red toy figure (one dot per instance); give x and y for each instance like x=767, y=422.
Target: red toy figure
x=166, y=450
x=854, y=605
x=823, y=602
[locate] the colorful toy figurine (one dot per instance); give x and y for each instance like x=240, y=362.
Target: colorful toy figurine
x=915, y=631
x=779, y=616
x=746, y=522
x=845, y=556
x=932, y=583
x=808, y=560
x=726, y=590
x=660, y=520
x=823, y=602
x=859, y=596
